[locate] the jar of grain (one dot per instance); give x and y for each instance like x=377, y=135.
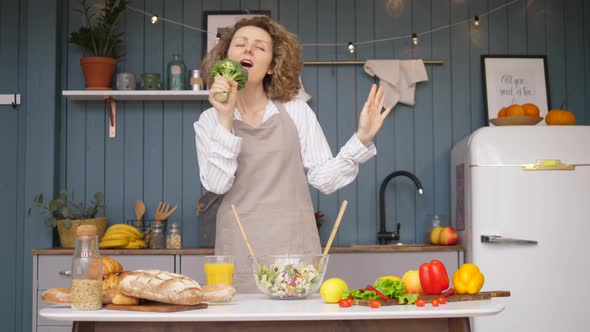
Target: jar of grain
x=157, y=241
x=86, y=270
x=174, y=237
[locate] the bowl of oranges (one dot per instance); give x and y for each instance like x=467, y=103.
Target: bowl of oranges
x=518, y=115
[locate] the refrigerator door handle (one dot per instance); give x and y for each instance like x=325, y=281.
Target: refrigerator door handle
x=499, y=239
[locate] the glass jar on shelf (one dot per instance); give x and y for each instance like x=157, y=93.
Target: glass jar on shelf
x=157, y=240
x=176, y=74
x=174, y=237
x=86, y=270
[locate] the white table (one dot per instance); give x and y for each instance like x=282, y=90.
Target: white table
x=258, y=312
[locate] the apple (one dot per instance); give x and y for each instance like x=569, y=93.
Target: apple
x=448, y=236
x=412, y=281
x=434, y=235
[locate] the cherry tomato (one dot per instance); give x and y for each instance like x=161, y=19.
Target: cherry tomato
x=435, y=303
x=442, y=300
x=374, y=304
x=350, y=301
x=420, y=303
x=449, y=292
x=343, y=303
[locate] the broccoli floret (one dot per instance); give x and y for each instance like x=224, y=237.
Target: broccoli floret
x=230, y=69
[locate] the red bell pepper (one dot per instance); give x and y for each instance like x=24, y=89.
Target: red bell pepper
x=433, y=277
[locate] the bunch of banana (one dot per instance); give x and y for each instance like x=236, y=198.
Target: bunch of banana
x=122, y=236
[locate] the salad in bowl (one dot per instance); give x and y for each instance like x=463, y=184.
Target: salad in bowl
x=289, y=276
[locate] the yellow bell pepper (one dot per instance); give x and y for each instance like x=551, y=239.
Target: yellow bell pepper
x=468, y=279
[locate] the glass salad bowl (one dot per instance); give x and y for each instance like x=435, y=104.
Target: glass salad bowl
x=289, y=276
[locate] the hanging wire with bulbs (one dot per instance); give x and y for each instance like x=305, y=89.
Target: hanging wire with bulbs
x=350, y=46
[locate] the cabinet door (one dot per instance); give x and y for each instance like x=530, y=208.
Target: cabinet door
x=362, y=269
x=192, y=267
x=55, y=328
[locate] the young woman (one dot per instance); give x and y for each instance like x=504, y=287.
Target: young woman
x=261, y=148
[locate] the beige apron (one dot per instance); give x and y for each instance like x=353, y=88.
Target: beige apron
x=271, y=194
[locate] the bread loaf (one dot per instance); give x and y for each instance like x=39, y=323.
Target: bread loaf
x=218, y=293
x=162, y=287
x=64, y=295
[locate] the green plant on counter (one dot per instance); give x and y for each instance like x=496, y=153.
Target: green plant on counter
x=98, y=36
x=63, y=208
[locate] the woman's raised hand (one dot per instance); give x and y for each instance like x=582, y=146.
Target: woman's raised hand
x=225, y=109
x=372, y=117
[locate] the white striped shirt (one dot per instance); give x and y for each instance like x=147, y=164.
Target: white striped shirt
x=218, y=150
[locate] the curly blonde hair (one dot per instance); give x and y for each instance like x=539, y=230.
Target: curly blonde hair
x=283, y=83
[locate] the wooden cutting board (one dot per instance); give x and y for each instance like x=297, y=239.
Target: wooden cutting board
x=453, y=298
x=156, y=307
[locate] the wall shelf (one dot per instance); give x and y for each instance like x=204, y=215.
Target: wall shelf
x=112, y=96
x=139, y=95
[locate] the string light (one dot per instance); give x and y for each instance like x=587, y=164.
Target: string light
x=350, y=47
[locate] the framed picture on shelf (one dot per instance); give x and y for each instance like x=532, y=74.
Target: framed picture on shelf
x=217, y=22
x=514, y=79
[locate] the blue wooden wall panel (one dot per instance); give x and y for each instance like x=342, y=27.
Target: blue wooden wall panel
x=440, y=76
x=191, y=186
x=403, y=119
x=367, y=184
x=479, y=45
x=556, y=59
x=327, y=100
x=75, y=113
x=385, y=140
x=535, y=20
x=153, y=161
x=574, y=58
x=461, y=87
x=423, y=123
x=9, y=145
x=131, y=130
x=498, y=28
x=308, y=35
x=347, y=115
x=517, y=43
x=172, y=122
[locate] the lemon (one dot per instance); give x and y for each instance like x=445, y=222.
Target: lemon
x=332, y=289
x=394, y=278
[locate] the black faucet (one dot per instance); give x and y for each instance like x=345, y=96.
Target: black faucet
x=383, y=236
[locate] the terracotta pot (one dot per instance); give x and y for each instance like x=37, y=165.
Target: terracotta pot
x=67, y=236
x=98, y=72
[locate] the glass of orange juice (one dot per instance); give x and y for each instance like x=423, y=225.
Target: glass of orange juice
x=219, y=269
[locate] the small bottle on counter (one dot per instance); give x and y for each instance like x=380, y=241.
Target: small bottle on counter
x=158, y=241
x=174, y=237
x=196, y=82
x=86, y=270
x=176, y=73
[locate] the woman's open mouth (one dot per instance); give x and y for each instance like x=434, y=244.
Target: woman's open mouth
x=247, y=64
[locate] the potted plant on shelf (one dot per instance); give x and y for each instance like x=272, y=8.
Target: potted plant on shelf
x=100, y=41
x=67, y=215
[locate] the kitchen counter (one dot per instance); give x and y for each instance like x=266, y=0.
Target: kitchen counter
x=209, y=251
x=262, y=313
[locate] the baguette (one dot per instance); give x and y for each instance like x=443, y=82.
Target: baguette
x=64, y=295
x=218, y=293
x=162, y=287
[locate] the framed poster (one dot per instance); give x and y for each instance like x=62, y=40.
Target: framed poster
x=217, y=22
x=514, y=79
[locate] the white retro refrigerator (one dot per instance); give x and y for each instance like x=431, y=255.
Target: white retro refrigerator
x=521, y=203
